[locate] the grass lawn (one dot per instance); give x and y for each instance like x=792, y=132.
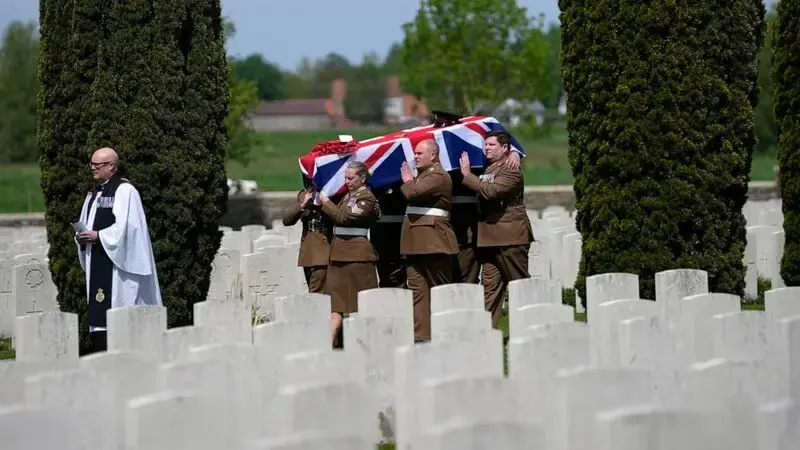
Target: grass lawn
x=274, y=166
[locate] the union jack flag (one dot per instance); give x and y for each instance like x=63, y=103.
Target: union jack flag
x=384, y=155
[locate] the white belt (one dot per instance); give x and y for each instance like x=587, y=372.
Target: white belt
x=460, y=199
x=391, y=219
x=346, y=231
x=420, y=211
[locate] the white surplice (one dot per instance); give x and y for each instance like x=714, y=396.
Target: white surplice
x=127, y=243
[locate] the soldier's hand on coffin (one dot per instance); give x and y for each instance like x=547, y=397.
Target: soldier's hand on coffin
x=322, y=197
x=87, y=236
x=512, y=162
x=307, y=196
x=463, y=163
x=405, y=172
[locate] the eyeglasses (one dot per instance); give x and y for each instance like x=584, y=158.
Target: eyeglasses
x=99, y=164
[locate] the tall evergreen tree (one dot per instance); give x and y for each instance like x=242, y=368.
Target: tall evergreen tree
x=786, y=74
x=156, y=92
x=68, y=53
x=661, y=134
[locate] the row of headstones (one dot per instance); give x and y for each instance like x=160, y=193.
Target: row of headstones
x=554, y=256
x=690, y=369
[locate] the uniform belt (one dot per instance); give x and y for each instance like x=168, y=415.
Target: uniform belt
x=348, y=231
x=391, y=219
x=463, y=199
x=421, y=211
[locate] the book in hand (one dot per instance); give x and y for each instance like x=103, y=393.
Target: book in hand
x=78, y=226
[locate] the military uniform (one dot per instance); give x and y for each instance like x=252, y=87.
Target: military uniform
x=427, y=241
x=464, y=217
x=385, y=237
x=351, y=266
x=315, y=243
x=504, y=232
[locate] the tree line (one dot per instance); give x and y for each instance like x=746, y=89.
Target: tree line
x=462, y=65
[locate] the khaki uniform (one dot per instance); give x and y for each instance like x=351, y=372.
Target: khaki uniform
x=351, y=266
x=385, y=237
x=464, y=217
x=315, y=243
x=427, y=241
x=504, y=232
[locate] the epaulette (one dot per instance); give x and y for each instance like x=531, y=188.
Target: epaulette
x=124, y=180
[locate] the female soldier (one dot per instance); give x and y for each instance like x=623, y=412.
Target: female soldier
x=351, y=266
x=315, y=240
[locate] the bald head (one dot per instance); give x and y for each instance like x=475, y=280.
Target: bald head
x=106, y=154
x=104, y=164
x=426, y=154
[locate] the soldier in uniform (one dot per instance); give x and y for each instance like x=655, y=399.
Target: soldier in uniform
x=464, y=218
x=427, y=239
x=316, y=238
x=504, y=230
x=385, y=237
x=351, y=266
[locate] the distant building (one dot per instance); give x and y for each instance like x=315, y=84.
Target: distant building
x=402, y=108
x=303, y=114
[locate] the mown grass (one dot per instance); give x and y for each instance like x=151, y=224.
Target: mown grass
x=274, y=165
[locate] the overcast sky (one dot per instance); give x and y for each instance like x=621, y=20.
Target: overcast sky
x=286, y=30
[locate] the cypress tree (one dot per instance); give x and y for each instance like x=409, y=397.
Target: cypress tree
x=68, y=56
x=786, y=75
x=159, y=97
x=661, y=134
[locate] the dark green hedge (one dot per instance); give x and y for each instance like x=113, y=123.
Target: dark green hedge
x=68, y=55
x=786, y=75
x=661, y=134
x=154, y=87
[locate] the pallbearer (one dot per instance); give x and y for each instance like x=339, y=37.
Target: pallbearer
x=315, y=242
x=464, y=217
x=504, y=230
x=385, y=236
x=427, y=240
x=351, y=266
x=114, y=246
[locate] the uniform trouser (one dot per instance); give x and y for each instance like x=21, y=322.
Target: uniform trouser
x=315, y=278
x=425, y=272
x=501, y=265
x=391, y=272
x=467, y=268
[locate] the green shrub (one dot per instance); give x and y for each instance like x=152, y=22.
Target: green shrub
x=661, y=134
x=786, y=67
x=67, y=62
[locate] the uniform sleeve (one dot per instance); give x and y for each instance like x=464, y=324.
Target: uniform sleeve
x=292, y=214
x=503, y=183
x=421, y=188
x=362, y=214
